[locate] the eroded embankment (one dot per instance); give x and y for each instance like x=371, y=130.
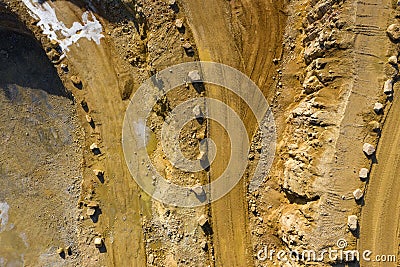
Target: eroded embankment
x=40, y=156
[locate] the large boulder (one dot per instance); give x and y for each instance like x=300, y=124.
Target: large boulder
x=393, y=31
x=368, y=149
x=363, y=173
x=194, y=76
x=358, y=194
x=388, y=87
x=378, y=108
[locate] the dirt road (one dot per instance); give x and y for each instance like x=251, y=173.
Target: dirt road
x=380, y=216
x=251, y=53
x=119, y=194
x=381, y=213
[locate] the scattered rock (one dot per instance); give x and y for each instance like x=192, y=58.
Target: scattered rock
x=393, y=32
x=187, y=45
x=352, y=222
x=363, y=173
x=198, y=190
x=76, y=81
x=388, y=87
x=98, y=242
x=94, y=147
x=89, y=119
x=312, y=52
x=90, y=211
x=375, y=126
x=202, y=221
x=378, y=108
x=194, y=76
x=358, y=194
x=197, y=112
x=312, y=84
x=368, y=149
x=179, y=23
x=392, y=60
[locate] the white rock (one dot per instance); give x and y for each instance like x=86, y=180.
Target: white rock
x=89, y=119
x=358, y=194
x=194, y=76
x=388, y=87
x=93, y=146
x=394, y=32
x=392, y=60
x=378, y=107
x=178, y=23
x=202, y=220
x=198, y=190
x=90, y=212
x=98, y=242
x=352, y=222
x=363, y=173
x=197, y=112
x=368, y=149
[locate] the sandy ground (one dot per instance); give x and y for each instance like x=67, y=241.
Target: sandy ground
x=216, y=42
x=381, y=214
x=246, y=35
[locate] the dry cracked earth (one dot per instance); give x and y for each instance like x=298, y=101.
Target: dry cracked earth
x=69, y=70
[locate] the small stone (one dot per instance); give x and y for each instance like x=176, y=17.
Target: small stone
x=375, y=126
x=363, y=173
x=202, y=221
x=378, y=107
x=187, y=46
x=352, y=222
x=172, y=2
x=98, y=242
x=90, y=211
x=76, y=80
x=89, y=119
x=388, y=87
x=179, y=23
x=68, y=250
x=393, y=32
x=194, y=76
x=392, y=60
x=358, y=194
x=368, y=149
x=197, y=112
x=94, y=146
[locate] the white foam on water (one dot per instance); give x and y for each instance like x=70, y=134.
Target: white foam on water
x=3, y=215
x=53, y=28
